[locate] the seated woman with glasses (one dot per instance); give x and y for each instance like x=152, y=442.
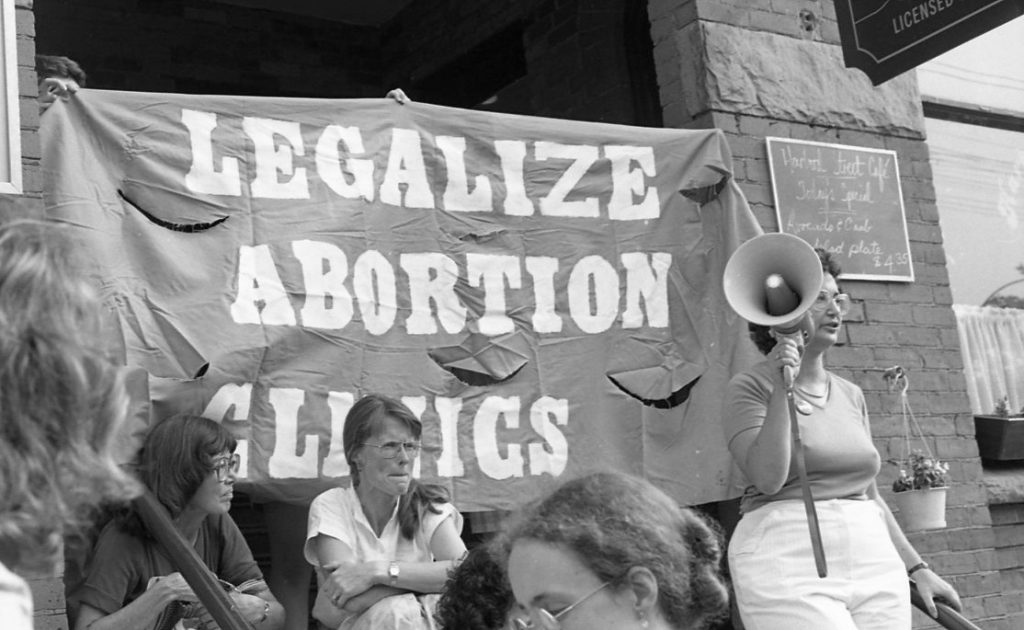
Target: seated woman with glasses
x=383, y=547
x=770, y=553
x=609, y=551
x=189, y=464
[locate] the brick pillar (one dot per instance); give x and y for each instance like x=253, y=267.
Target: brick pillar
x=48, y=588
x=757, y=68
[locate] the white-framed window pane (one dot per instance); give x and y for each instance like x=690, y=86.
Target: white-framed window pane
x=986, y=71
x=979, y=187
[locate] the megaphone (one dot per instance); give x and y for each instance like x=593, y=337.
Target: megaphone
x=773, y=280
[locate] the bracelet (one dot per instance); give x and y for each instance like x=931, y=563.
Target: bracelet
x=917, y=567
x=266, y=612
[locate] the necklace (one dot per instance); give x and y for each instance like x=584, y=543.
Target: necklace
x=806, y=401
x=808, y=394
x=824, y=394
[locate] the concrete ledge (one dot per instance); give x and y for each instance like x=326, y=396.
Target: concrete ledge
x=1004, y=485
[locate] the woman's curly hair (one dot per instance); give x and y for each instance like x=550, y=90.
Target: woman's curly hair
x=477, y=595
x=62, y=67
x=762, y=335
x=613, y=522
x=61, y=397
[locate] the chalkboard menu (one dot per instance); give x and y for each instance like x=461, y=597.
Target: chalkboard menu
x=845, y=200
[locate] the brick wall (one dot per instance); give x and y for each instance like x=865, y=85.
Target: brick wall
x=773, y=68
x=1008, y=529
x=575, y=54
x=203, y=47
x=48, y=600
x=32, y=184
x=573, y=50
x=47, y=589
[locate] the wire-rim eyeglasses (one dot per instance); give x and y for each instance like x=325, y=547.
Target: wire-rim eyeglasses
x=390, y=450
x=543, y=619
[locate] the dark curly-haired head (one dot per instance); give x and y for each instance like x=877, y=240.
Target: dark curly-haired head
x=61, y=67
x=477, y=595
x=762, y=335
x=614, y=522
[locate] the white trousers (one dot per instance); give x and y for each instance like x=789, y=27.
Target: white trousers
x=777, y=585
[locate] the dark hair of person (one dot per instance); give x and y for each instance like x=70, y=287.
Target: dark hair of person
x=176, y=458
x=62, y=399
x=477, y=595
x=762, y=335
x=55, y=66
x=613, y=522
x=363, y=422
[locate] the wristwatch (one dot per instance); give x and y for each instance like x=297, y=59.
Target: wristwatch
x=917, y=567
x=393, y=573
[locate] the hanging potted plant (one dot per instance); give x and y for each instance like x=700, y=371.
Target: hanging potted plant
x=920, y=492
x=1000, y=435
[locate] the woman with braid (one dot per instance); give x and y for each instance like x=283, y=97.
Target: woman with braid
x=382, y=548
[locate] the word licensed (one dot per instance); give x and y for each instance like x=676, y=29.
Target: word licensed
x=918, y=13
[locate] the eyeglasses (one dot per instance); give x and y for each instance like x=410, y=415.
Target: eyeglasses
x=389, y=450
x=545, y=620
x=825, y=299
x=226, y=465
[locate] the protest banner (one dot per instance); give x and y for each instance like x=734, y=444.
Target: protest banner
x=545, y=294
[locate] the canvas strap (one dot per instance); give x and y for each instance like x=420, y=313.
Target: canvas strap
x=805, y=487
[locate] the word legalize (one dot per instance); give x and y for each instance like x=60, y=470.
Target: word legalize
x=547, y=452
x=339, y=157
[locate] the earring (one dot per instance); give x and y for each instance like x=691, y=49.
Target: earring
x=642, y=616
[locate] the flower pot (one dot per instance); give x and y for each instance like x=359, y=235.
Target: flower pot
x=999, y=438
x=921, y=509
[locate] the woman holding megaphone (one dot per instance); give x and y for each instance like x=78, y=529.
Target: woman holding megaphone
x=771, y=554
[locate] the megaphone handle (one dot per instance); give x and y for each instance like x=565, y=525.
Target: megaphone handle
x=805, y=486
x=789, y=372
x=789, y=377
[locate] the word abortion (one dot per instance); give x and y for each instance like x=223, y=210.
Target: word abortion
x=593, y=291
x=553, y=174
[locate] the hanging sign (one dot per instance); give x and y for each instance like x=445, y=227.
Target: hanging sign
x=846, y=200
x=885, y=38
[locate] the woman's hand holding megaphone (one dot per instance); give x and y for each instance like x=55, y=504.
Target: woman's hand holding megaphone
x=786, y=355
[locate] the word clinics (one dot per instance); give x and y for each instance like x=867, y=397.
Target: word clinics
x=513, y=177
